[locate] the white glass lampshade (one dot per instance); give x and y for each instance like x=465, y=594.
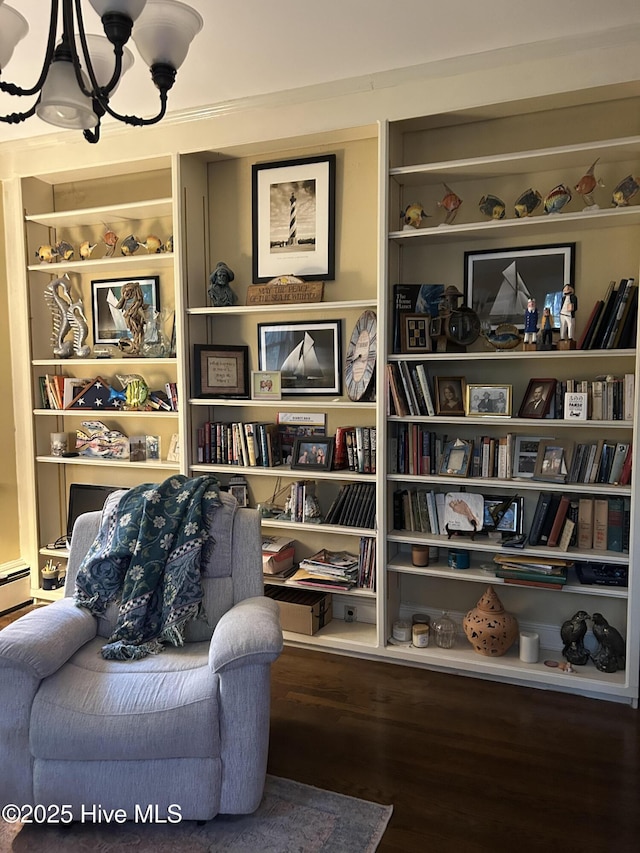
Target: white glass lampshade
x=164, y=32
x=62, y=103
x=103, y=59
x=131, y=8
x=13, y=28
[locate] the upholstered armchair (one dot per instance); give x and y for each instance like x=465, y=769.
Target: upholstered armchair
x=187, y=728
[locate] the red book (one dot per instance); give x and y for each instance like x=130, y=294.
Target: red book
x=625, y=474
x=558, y=522
x=590, y=326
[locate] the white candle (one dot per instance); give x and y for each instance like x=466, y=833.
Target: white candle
x=529, y=646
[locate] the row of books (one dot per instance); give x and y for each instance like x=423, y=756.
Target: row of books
x=599, y=524
x=250, y=444
x=601, y=461
x=613, y=319
x=328, y=570
x=355, y=449
x=409, y=390
x=610, y=398
x=522, y=570
x=419, y=510
x=414, y=449
x=354, y=506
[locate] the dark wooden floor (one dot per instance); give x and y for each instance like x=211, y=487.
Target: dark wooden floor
x=468, y=765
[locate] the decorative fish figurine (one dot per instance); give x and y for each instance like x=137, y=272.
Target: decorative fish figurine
x=136, y=389
x=451, y=203
x=557, y=198
x=505, y=336
x=412, y=215
x=168, y=245
x=625, y=191
x=587, y=184
x=110, y=239
x=85, y=249
x=46, y=253
x=96, y=439
x=64, y=250
x=152, y=244
x=526, y=203
x=492, y=206
x=129, y=245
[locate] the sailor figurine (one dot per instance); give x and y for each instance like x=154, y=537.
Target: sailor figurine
x=568, y=313
x=530, y=322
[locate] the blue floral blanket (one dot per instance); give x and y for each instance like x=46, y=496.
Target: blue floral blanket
x=148, y=556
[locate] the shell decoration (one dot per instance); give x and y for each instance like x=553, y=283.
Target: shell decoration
x=451, y=203
x=527, y=203
x=129, y=245
x=625, y=191
x=412, y=215
x=492, y=206
x=557, y=198
x=587, y=184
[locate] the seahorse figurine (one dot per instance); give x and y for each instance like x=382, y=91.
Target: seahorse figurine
x=58, y=299
x=80, y=327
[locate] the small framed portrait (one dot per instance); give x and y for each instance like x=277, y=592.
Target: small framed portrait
x=456, y=458
x=314, y=454
x=221, y=371
x=266, y=385
x=483, y=400
x=153, y=446
x=415, y=333
x=449, y=395
x=238, y=488
x=525, y=453
x=537, y=399
x=553, y=461
x=504, y=514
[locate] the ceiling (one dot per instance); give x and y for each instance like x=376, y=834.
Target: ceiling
x=256, y=47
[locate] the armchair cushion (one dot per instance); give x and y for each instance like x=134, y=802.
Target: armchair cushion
x=233, y=646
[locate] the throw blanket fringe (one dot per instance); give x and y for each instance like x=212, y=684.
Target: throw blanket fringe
x=148, y=556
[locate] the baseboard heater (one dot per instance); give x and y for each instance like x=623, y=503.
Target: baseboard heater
x=15, y=590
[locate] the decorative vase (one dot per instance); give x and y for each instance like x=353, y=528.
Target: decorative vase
x=488, y=627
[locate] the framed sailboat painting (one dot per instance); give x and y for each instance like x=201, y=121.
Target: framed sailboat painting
x=498, y=284
x=308, y=355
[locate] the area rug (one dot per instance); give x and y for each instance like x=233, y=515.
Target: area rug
x=292, y=818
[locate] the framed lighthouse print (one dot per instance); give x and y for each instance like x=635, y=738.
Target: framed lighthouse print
x=293, y=211
x=498, y=284
x=308, y=355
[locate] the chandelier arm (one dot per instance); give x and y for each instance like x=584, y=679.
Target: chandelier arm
x=12, y=89
x=16, y=118
x=101, y=93
x=136, y=121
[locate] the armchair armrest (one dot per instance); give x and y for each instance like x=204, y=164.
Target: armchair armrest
x=41, y=641
x=249, y=633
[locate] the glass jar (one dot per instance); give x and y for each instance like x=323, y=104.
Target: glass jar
x=445, y=630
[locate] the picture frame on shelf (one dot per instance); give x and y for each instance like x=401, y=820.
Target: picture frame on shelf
x=221, y=371
x=239, y=488
x=153, y=447
x=415, y=333
x=308, y=355
x=314, y=454
x=266, y=385
x=489, y=400
x=293, y=218
x=525, y=453
x=109, y=323
x=553, y=460
x=449, y=395
x=173, y=454
x=504, y=515
x=456, y=458
x=537, y=398
x=499, y=282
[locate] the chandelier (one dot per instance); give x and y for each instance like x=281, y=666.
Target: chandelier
x=81, y=72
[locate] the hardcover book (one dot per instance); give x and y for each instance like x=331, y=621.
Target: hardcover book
x=413, y=299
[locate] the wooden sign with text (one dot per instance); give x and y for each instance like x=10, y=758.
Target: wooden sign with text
x=273, y=294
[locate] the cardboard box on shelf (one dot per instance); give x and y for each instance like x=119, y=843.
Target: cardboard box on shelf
x=302, y=611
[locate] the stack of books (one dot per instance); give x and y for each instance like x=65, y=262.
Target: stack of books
x=548, y=573
x=328, y=570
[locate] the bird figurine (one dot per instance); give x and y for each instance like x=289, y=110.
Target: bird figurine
x=587, y=184
x=625, y=191
x=110, y=239
x=492, y=206
x=412, y=215
x=152, y=244
x=557, y=198
x=572, y=634
x=451, y=203
x=46, y=253
x=611, y=652
x=85, y=249
x=64, y=250
x=129, y=245
x=527, y=202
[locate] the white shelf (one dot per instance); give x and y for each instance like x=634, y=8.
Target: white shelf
x=517, y=355
x=118, y=266
x=303, y=307
x=333, y=529
x=286, y=403
x=149, y=464
x=97, y=414
x=519, y=484
x=284, y=471
x=529, y=423
x=337, y=634
x=107, y=215
x=101, y=362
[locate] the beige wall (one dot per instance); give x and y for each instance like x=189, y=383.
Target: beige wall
x=9, y=543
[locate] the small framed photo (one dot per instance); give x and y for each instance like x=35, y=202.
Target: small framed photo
x=221, y=371
x=456, y=458
x=449, y=395
x=504, y=515
x=153, y=446
x=553, y=461
x=525, y=453
x=137, y=448
x=576, y=406
x=266, y=385
x=537, y=399
x=313, y=453
x=415, y=333
x=483, y=400
x=109, y=323
x=238, y=487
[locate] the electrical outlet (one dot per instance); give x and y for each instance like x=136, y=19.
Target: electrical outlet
x=350, y=613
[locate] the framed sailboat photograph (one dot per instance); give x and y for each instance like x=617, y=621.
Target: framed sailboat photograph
x=109, y=311
x=308, y=355
x=498, y=284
